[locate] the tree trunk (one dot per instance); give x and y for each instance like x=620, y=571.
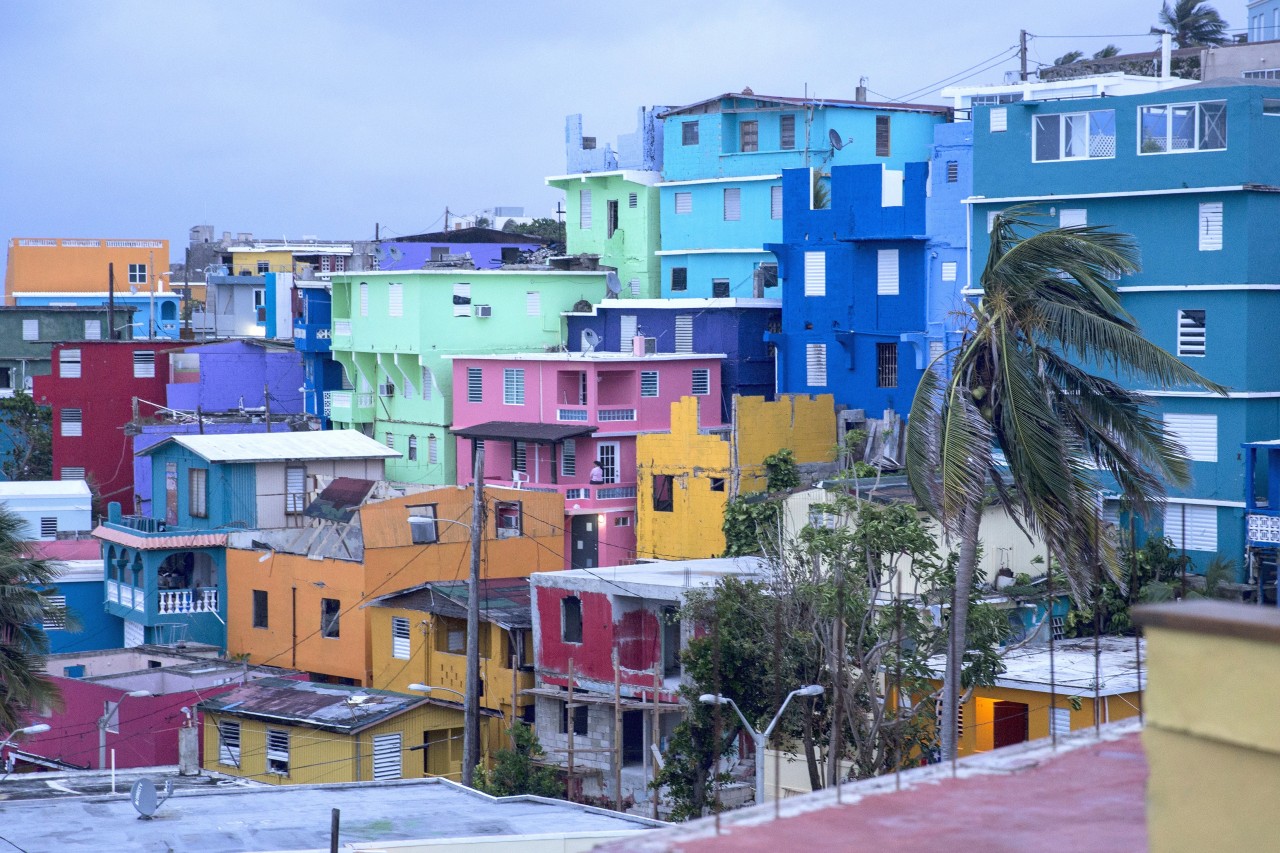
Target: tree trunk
x=958, y=638
x=810, y=754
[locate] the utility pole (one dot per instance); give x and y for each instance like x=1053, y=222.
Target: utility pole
x=266, y=401
x=471, y=707
x=111, y=302
x=1022, y=55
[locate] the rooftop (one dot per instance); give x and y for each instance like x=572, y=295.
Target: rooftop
x=469, y=235
x=689, y=304
x=333, y=707
x=522, y=431
x=71, y=812
x=504, y=601
x=45, y=489
x=805, y=102
x=658, y=578
x=1028, y=668
x=280, y=446
x=604, y=357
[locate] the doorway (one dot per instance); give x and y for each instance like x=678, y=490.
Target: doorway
x=584, y=536
x=1009, y=724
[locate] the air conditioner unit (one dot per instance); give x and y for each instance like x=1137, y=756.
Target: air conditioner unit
x=484, y=310
x=641, y=345
x=386, y=390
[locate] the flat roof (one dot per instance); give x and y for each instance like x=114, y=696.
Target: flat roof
x=74, y=814
x=1028, y=668
x=44, y=488
x=589, y=356
x=658, y=578
x=523, y=431
x=280, y=446
x=688, y=304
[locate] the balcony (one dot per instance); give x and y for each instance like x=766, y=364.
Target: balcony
x=176, y=601
x=341, y=333
x=126, y=595
x=1263, y=528
x=349, y=406
x=314, y=337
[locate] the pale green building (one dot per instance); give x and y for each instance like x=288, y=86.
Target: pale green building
x=614, y=215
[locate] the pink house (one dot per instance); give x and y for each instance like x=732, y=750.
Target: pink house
x=546, y=419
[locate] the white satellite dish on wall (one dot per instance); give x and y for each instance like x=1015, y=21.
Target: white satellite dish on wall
x=590, y=340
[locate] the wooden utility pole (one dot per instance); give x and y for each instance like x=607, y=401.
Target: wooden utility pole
x=568, y=709
x=266, y=400
x=656, y=731
x=617, y=730
x=471, y=706
x=111, y=302
x=1022, y=55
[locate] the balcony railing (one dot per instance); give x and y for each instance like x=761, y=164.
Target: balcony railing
x=348, y=406
x=144, y=524
x=173, y=601
x=341, y=328
x=1264, y=528
x=126, y=595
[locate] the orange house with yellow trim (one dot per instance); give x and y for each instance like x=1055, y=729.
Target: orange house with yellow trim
x=295, y=597
x=68, y=265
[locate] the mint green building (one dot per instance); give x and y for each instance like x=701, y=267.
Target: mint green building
x=615, y=215
x=392, y=331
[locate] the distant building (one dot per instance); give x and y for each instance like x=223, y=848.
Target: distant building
x=65, y=265
x=78, y=586
x=141, y=315
x=486, y=248
x=27, y=336
x=1264, y=21
x=49, y=508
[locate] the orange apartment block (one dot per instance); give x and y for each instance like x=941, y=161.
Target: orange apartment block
x=65, y=265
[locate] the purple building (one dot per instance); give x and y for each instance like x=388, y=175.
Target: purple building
x=488, y=248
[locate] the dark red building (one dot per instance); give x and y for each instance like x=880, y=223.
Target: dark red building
x=91, y=390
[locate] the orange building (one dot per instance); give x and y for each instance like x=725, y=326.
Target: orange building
x=55, y=265
x=295, y=597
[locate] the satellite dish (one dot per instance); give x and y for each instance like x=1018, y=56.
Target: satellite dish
x=144, y=798
x=590, y=340
x=836, y=142
x=612, y=283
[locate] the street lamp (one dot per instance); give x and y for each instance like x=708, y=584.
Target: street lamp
x=427, y=688
x=29, y=730
x=105, y=720
x=760, y=738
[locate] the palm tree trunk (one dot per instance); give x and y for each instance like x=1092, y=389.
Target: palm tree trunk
x=958, y=637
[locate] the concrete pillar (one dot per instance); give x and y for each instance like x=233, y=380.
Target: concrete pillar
x=189, y=751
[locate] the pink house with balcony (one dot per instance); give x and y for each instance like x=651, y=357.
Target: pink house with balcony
x=546, y=419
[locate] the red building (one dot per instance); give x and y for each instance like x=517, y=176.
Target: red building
x=91, y=390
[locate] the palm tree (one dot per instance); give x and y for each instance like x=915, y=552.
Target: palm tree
x=1107, y=52
x=23, y=609
x=1021, y=383
x=1069, y=57
x=1192, y=23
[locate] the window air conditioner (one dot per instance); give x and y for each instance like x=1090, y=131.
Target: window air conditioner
x=484, y=310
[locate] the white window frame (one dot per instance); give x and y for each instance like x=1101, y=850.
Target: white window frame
x=1192, y=527
x=684, y=333
x=427, y=382
x=649, y=383
x=1073, y=217
x=1197, y=433
x=364, y=299
x=69, y=363
x=887, y=272
x=775, y=201
x=295, y=489
x=461, y=299
x=93, y=330
x=395, y=299
x=229, y=746
x=533, y=303
x=144, y=364
x=71, y=472
x=71, y=423
x=48, y=527
x=433, y=449
x=1196, y=122
x=513, y=386
x=700, y=382
x=138, y=274
x=815, y=358
x=56, y=621
x=815, y=273
x=1209, y=226
x=1092, y=141
x=278, y=752
x=732, y=204
x=31, y=329
x=584, y=209
x=475, y=385
x=999, y=119
x=684, y=203
x=569, y=458
x=400, y=645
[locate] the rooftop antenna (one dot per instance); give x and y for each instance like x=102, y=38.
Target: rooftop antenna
x=144, y=798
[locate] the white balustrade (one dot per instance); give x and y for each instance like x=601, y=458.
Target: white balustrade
x=175, y=601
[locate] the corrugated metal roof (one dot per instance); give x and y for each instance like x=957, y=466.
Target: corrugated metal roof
x=160, y=543
x=45, y=488
x=334, y=707
x=280, y=446
x=503, y=601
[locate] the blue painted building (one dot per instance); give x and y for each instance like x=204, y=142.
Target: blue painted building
x=1264, y=20
x=78, y=586
x=1190, y=173
x=487, y=247
x=723, y=158
x=312, y=335
x=154, y=316
x=735, y=327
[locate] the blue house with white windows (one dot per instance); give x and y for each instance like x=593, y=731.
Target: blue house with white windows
x=312, y=335
x=721, y=196
x=1192, y=174
x=154, y=316
x=1264, y=20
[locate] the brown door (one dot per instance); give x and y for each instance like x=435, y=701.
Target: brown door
x=1010, y=724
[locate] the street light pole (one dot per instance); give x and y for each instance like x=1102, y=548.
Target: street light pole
x=760, y=738
x=28, y=730
x=105, y=720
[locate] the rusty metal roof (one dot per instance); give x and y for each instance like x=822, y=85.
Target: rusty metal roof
x=332, y=707
x=503, y=601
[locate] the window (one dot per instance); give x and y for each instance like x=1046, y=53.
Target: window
x=399, y=637
x=622, y=521
x=475, y=385
x=264, y=267
x=767, y=275
x=815, y=356
x=388, y=756
x=749, y=136
x=1074, y=136
x=278, y=752
x=433, y=451
x=330, y=614
x=72, y=426
x=1191, y=332
x=1191, y=526
x=30, y=330
x=1178, y=128
x=648, y=383
x=887, y=272
x=427, y=382
x=422, y=524
x=633, y=200
x=584, y=209
x=720, y=288
x=144, y=364
x=1197, y=433
x=634, y=285
x=413, y=448
x=137, y=273
x=520, y=456
x=689, y=133
x=571, y=619
x=513, y=386
x=228, y=743
x=1073, y=217
x=815, y=273
x=607, y=452
x=197, y=492
x=775, y=202
x=579, y=719
x=684, y=333
x=999, y=117
x=533, y=303
x=71, y=473
x=732, y=204
x=508, y=517
x=948, y=270
x=391, y=440
x=953, y=171
x=295, y=489
x=461, y=299
x=93, y=330
x=679, y=278
x=684, y=203
x=260, y=618
x=1059, y=721
x=886, y=365
x=662, y=492
x=717, y=484
x=48, y=527
x=364, y=299
x=629, y=327
x=395, y=299
x=1210, y=226
x=568, y=458
x=701, y=384
x=56, y=617
x=611, y=217
x=6, y=377
x=882, y=136
x=787, y=131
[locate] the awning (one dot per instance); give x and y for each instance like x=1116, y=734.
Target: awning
x=519, y=431
x=160, y=543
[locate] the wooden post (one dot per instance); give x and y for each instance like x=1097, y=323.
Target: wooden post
x=334, y=819
x=515, y=691
x=569, y=706
x=656, y=730
x=471, y=704
x=617, y=730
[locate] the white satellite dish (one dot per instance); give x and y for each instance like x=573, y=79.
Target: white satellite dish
x=590, y=340
x=144, y=798
x=612, y=283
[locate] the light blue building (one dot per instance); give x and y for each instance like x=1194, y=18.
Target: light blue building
x=1264, y=20
x=1192, y=174
x=723, y=158
x=154, y=316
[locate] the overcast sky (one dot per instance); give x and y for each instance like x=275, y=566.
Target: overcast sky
x=140, y=119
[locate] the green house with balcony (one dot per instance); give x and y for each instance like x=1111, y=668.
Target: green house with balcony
x=393, y=330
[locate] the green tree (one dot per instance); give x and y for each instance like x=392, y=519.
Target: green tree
x=1192, y=23
x=1107, y=52
x=1069, y=57
x=1021, y=384
x=23, y=610
x=545, y=228
x=517, y=771
x=29, y=429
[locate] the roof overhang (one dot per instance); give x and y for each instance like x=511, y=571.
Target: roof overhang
x=518, y=431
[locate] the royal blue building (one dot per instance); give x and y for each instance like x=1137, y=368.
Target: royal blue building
x=312, y=332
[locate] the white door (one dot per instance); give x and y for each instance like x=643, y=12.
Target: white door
x=609, y=455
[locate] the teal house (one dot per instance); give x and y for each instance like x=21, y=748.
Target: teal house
x=1192, y=174
x=721, y=192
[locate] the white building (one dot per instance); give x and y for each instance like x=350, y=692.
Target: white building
x=49, y=507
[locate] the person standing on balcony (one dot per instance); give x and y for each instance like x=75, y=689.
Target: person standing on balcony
x=597, y=473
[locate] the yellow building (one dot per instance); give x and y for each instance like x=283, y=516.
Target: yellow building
x=260, y=261
x=419, y=636
x=295, y=596
x=285, y=732
x=52, y=265
x=685, y=477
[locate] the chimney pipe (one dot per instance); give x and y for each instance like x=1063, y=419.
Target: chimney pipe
x=860, y=93
x=1166, y=45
